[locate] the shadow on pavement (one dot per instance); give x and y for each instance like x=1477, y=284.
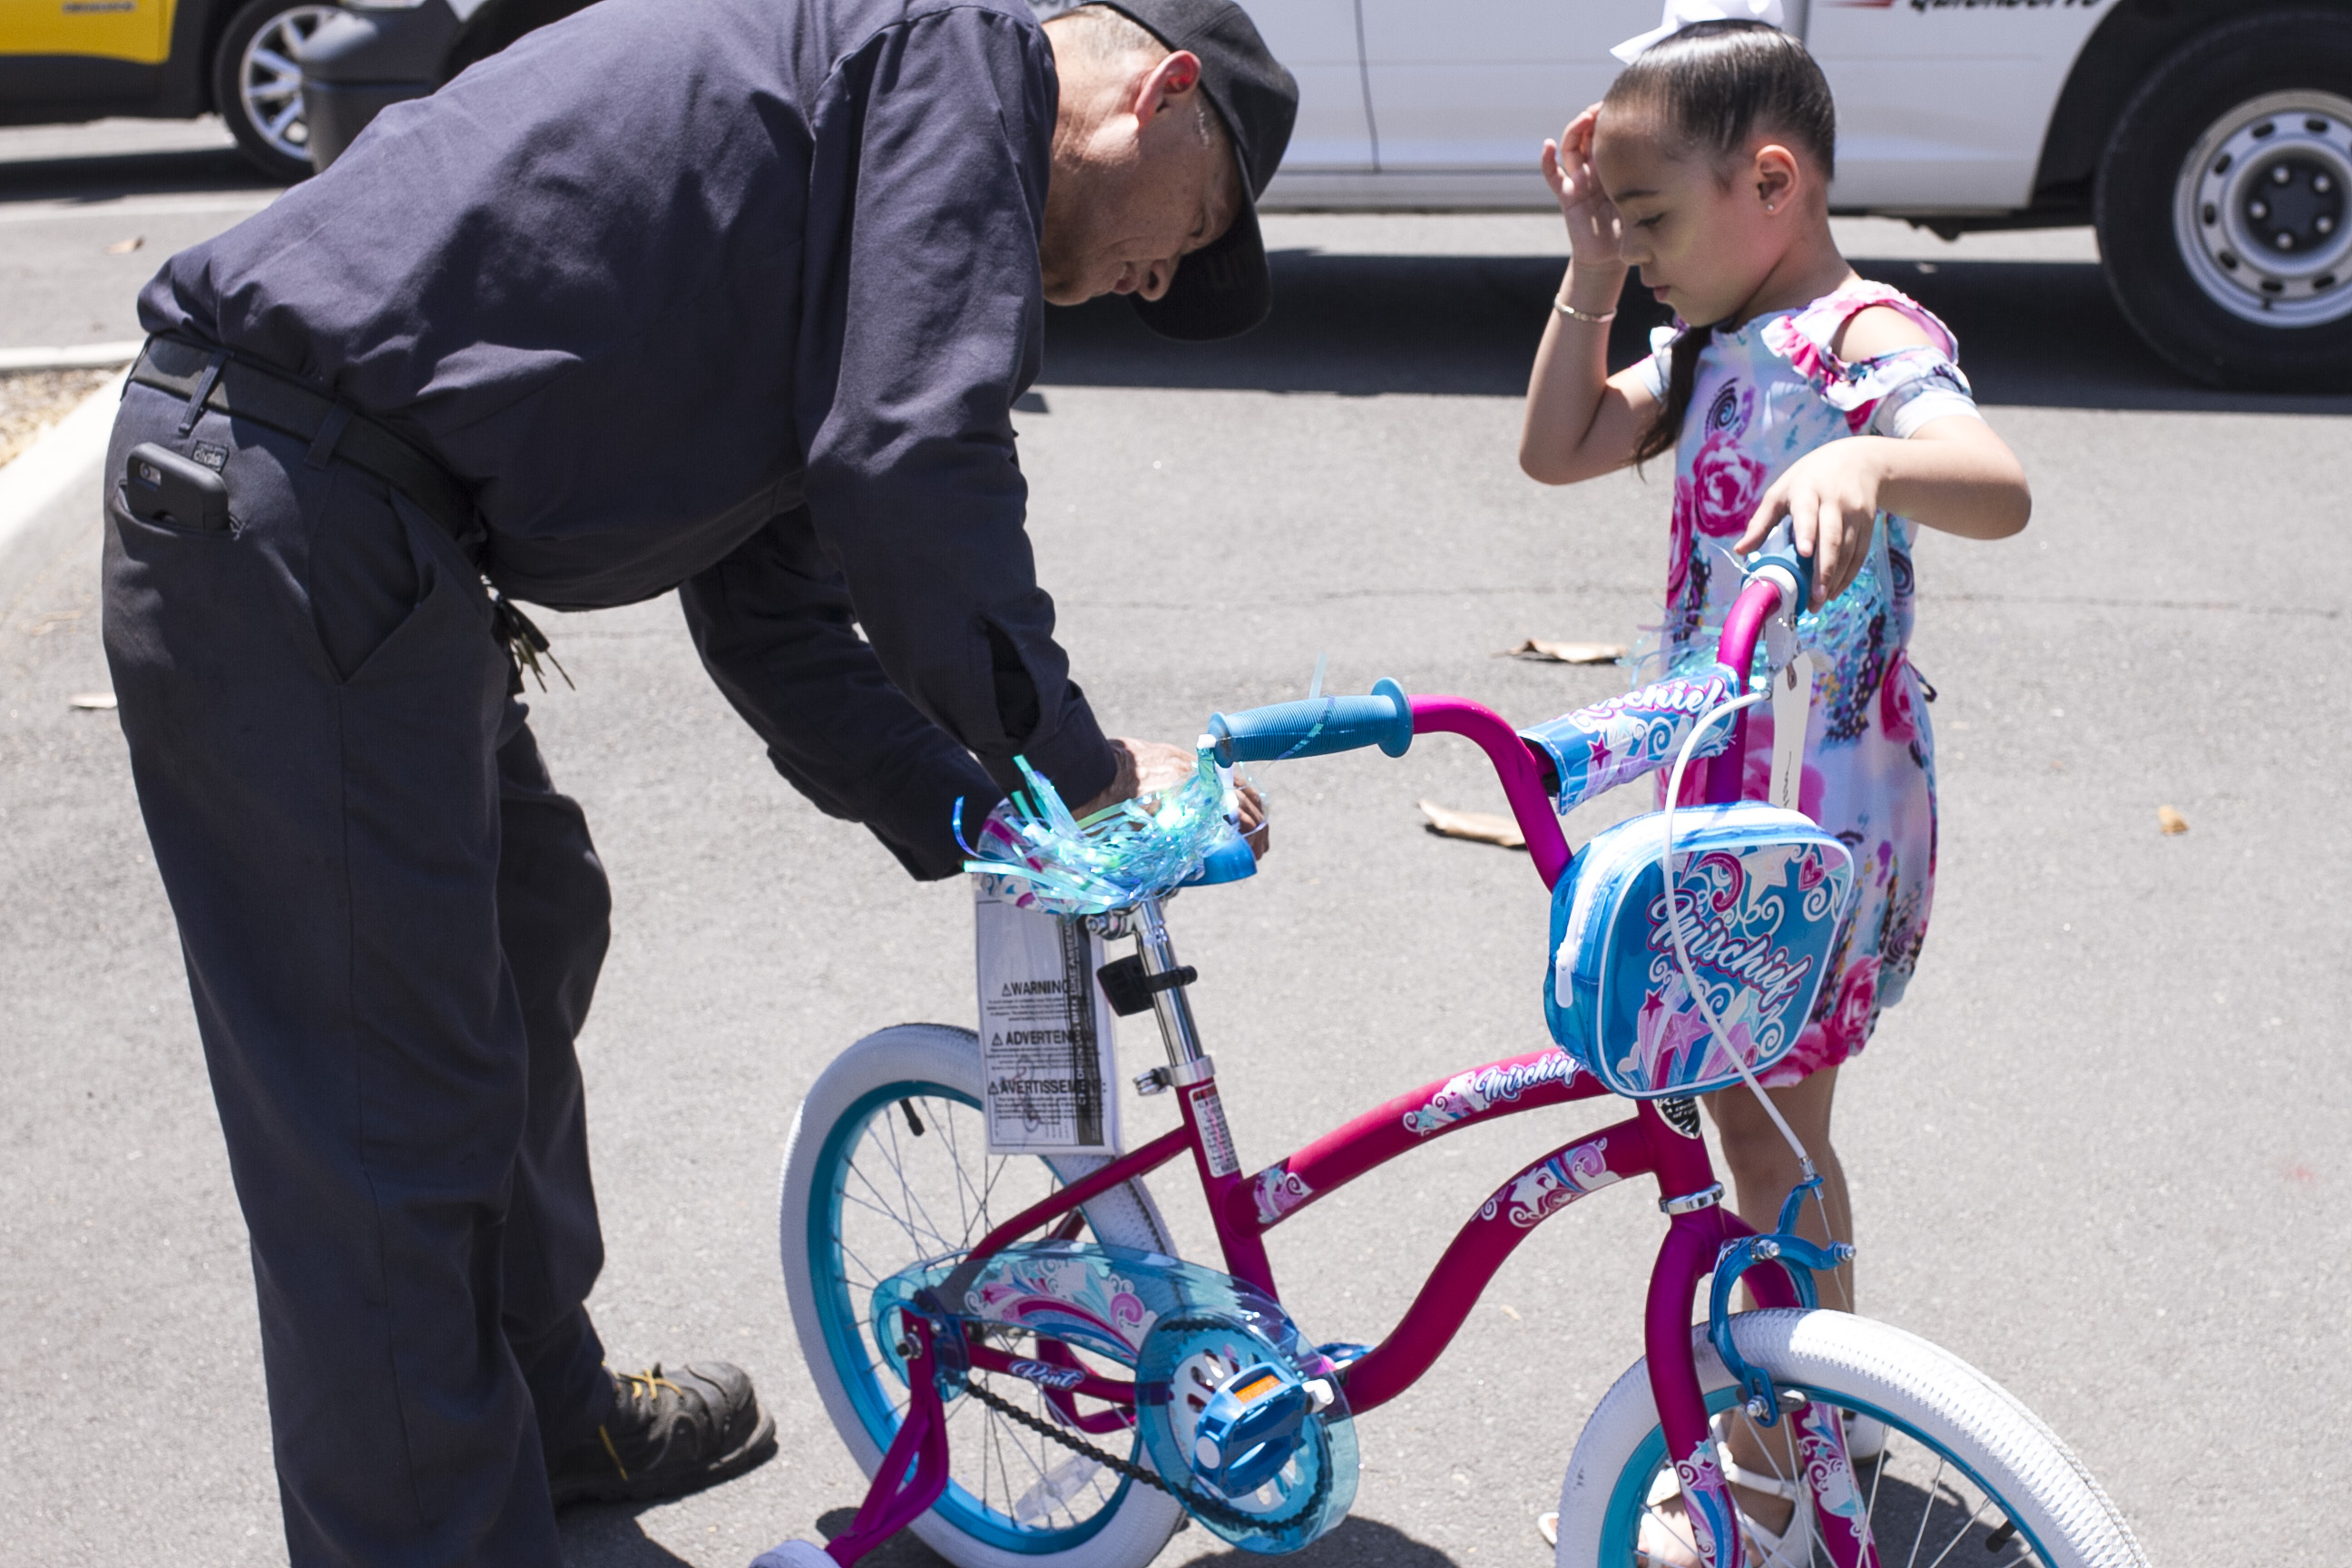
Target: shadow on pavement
x=901, y=1551
x=1358, y=1542
x=2038, y=333
x=611, y=1537
x=178, y=171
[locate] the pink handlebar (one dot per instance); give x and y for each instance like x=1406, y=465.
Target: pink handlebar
x=1522, y=777
x=1522, y=782
x=1736, y=649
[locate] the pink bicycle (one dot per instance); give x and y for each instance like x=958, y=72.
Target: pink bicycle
x=1033, y=1380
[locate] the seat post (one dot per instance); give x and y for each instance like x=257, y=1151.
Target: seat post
x=1169, y=1005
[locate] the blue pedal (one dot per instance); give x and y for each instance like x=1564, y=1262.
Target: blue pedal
x=1250, y=1425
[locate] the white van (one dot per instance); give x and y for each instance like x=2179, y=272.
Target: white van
x=2209, y=140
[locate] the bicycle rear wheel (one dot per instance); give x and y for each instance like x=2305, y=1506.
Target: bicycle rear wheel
x=887, y=1167
x=1964, y=1466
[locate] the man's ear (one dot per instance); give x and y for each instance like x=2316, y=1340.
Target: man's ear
x=1779, y=176
x=1169, y=83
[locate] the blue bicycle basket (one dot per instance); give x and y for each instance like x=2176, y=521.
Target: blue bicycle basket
x=1763, y=891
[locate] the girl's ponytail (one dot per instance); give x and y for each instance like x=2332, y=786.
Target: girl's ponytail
x=1713, y=87
x=1681, y=373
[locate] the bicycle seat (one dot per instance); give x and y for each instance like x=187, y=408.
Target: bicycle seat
x=1115, y=860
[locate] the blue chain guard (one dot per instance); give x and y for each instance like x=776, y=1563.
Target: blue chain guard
x=1108, y=1300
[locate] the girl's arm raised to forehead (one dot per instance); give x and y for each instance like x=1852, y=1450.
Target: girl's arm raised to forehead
x=1583, y=422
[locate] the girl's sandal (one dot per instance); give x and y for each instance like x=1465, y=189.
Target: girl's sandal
x=1865, y=1440
x=1662, y=1546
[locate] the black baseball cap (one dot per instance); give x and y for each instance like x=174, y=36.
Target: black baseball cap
x=1223, y=288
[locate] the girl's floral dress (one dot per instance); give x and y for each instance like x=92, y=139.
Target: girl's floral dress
x=1767, y=393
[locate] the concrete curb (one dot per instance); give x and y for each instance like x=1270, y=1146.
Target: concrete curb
x=33, y=525
x=82, y=356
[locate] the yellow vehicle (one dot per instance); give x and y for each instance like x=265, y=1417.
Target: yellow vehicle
x=63, y=61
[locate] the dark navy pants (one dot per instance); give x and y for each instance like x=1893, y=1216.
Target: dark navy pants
x=392, y=925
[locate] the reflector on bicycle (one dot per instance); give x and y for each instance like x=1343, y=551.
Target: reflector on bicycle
x=1762, y=890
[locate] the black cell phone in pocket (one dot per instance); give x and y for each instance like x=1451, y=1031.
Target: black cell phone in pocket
x=161, y=486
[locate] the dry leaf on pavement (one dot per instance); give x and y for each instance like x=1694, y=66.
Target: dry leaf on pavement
x=1479, y=826
x=1566, y=652
x=2170, y=821
x=125, y=246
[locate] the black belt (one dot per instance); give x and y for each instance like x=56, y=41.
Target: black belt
x=243, y=389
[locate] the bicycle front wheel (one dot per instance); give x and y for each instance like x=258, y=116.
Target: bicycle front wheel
x=1965, y=1471
x=889, y=1167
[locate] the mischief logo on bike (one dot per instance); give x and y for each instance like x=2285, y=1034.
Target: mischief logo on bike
x=1730, y=928
x=1758, y=892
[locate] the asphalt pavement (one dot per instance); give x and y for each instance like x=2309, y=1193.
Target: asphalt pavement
x=2093, y=1152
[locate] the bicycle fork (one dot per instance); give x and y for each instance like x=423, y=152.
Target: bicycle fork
x=1698, y=1231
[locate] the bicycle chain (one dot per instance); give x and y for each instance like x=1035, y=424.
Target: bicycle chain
x=1200, y=1504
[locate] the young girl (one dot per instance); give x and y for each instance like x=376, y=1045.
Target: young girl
x=1797, y=390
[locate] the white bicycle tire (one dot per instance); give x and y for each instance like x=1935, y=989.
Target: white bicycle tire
x=1125, y=1216
x=1962, y=1413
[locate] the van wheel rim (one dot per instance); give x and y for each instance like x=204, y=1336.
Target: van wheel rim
x=2262, y=210
x=270, y=79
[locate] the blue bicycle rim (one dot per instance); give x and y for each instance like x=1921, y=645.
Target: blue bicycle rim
x=869, y=1393
x=1628, y=1500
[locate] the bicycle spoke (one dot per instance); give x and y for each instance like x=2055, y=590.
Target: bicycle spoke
x=988, y=1189
x=1877, y=1474
x=946, y=1124
x=905, y=1222
x=1965, y=1525
x=913, y=1237
x=976, y=1222
x=881, y=1200
x=1036, y=1467
x=1913, y=1560
x=899, y=1165
x=872, y=1277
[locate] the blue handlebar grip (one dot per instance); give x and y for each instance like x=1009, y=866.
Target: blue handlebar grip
x=1317, y=727
x=1780, y=549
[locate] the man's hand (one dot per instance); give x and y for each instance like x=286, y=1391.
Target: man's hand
x=1146, y=767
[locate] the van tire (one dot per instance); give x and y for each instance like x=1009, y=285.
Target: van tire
x=2191, y=271
x=252, y=93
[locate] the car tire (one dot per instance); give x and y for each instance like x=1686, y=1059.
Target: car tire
x=2224, y=205
x=257, y=83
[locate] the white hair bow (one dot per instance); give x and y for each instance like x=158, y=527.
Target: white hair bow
x=1681, y=14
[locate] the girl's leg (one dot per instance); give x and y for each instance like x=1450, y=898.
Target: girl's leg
x=1763, y=1167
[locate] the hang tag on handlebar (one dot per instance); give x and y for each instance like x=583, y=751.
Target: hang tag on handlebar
x=1793, y=703
x=1045, y=1030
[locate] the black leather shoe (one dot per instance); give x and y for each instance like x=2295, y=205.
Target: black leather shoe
x=669, y=1434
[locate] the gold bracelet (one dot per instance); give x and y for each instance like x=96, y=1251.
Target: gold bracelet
x=1573, y=314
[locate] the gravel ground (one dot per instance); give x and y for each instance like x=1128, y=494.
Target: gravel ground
x=32, y=400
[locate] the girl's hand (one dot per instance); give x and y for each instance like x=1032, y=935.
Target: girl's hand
x=1831, y=497
x=1593, y=227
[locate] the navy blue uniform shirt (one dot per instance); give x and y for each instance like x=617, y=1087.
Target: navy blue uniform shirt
x=735, y=294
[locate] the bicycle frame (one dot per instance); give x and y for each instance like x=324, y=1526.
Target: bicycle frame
x=1244, y=1207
